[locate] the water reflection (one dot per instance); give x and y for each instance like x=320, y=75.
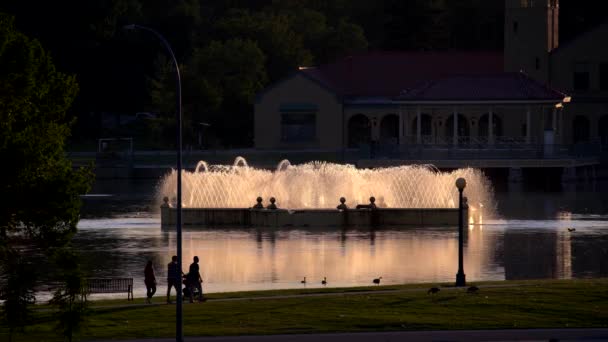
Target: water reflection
x=250, y=259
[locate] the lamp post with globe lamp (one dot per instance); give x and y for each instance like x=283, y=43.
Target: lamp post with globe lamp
x=461, y=183
x=179, y=333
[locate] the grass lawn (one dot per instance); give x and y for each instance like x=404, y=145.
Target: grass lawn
x=521, y=304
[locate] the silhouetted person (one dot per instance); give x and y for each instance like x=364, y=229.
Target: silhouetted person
x=272, y=205
x=259, y=204
x=372, y=202
x=150, y=281
x=174, y=277
x=195, y=281
x=342, y=205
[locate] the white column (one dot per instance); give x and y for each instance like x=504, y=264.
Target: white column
x=490, y=127
x=401, y=128
x=561, y=126
x=554, y=123
x=418, y=125
x=528, y=124
x=455, y=137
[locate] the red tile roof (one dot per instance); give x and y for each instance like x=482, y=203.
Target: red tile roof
x=388, y=73
x=491, y=87
x=428, y=76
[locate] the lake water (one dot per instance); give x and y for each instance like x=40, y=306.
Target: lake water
x=530, y=240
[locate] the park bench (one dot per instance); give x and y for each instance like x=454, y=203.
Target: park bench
x=110, y=285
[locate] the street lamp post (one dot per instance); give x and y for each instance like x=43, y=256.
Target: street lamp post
x=461, y=183
x=179, y=332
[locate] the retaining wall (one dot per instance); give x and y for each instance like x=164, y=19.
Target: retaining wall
x=245, y=217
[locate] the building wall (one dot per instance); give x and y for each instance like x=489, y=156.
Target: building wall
x=298, y=90
x=375, y=115
x=593, y=112
x=531, y=32
x=511, y=117
x=591, y=103
x=587, y=49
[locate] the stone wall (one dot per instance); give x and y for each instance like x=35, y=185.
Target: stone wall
x=236, y=217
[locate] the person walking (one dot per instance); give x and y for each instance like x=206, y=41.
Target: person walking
x=195, y=281
x=150, y=281
x=174, y=278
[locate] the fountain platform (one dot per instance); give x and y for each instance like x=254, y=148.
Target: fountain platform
x=247, y=217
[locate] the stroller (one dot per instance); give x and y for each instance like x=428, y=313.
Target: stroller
x=186, y=289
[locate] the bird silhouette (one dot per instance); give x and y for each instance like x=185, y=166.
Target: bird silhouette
x=571, y=229
x=377, y=281
x=472, y=289
x=324, y=281
x=433, y=290
x=303, y=281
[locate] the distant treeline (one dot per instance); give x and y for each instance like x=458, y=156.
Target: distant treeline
x=231, y=49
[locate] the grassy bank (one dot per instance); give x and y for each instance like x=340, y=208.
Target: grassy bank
x=530, y=304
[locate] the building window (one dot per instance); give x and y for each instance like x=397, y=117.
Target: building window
x=537, y=63
x=581, y=76
x=604, y=76
x=527, y=3
x=515, y=27
x=298, y=126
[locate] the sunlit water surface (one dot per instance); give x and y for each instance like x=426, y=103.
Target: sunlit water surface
x=121, y=231
x=260, y=259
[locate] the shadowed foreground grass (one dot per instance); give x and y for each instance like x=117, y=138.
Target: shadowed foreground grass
x=529, y=304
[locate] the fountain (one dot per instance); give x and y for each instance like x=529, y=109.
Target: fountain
x=316, y=187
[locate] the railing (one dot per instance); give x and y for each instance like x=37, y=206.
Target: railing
x=466, y=140
x=479, y=148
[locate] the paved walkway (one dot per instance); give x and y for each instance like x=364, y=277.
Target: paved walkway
x=423, y=336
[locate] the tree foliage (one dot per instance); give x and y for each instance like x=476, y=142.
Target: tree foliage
x=39, y=187
x=71, y=297
x=16, y=291
x=115, y=70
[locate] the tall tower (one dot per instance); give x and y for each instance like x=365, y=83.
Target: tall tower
x=531, y=33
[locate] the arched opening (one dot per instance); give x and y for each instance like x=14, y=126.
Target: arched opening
x=602, y=131
x=463, y=128
x=484, y=122
x=359, y=131
x=425, y=125
x=389, y=129
x=580, y=129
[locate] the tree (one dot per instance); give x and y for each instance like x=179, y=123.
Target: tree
x=70, y=298
x=273, y=34
x=223, y=79
x=40, y=189
x=347, y=38
x=17, y=293
x=219, y=82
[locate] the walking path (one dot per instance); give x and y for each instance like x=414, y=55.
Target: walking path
x=527, y=335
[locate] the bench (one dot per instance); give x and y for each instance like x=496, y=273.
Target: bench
x=110, y=285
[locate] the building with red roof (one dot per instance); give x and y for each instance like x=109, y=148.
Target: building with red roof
x=534, y=93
